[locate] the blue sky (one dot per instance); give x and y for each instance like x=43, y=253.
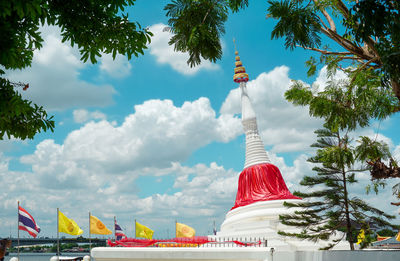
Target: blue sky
x=154, y=140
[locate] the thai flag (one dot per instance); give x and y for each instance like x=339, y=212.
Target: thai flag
x=119, y=234
x=27, y=223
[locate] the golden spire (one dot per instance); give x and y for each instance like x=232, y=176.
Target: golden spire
x=240, y=72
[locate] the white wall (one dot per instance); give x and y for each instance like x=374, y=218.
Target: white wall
x=345, y=255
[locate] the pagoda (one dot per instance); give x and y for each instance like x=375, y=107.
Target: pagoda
x=261, y=187
x=260, y=180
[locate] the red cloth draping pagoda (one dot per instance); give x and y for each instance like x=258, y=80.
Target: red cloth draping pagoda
x=261, y=182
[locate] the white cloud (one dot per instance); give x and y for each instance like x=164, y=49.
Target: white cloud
x=322, y=80
x=98, y=165
x=204, y=191
x=54, y=77
x=82, y=115
x=373, y=135
x=396, y=152
x=8, y=144
x=282, y=125
x=293, y=174
x=157, y=134
x=165, y=53
x=118, y=68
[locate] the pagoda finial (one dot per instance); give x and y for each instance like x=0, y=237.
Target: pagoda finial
x=240, y=72
x=234, y=43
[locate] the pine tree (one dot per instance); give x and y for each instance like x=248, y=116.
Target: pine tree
x=328, y=208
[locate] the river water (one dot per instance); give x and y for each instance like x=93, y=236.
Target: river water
x=39, y=256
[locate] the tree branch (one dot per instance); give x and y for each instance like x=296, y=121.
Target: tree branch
x=343, y=9
x=347, y=44
x=326, y=52
x=327, y=16
x=208, y=11
x=322, y=22
x=364, y=66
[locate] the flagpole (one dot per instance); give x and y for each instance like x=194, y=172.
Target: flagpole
x=175, y=227
x=90, y=241
x=115, y=222
x=214, y=229
x=18, y=227
x=58, y=233
x=135, y=227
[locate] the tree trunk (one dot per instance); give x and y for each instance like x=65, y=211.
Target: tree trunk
x=347, y=212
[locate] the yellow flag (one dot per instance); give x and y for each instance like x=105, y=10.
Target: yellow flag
x=97, y=227
x=361, y=236
x=143, y=231
x=67, y=225
x=183, y=230
x=398, y=236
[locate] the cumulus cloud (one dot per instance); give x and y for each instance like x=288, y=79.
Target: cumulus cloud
x=82, y=115
x=116, y=68
x=322, y=80
x=396, y=152
x=165, y=53
x=157, y=134
x=54, y=77
x=7, y=144
x=203, y=191
x=282, y=125
x=98, y=166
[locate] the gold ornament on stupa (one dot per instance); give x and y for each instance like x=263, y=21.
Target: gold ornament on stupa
x=240, y=72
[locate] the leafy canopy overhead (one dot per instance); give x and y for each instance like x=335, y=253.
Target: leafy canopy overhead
x=367, y=39
x=94, y=26
x=197, y=26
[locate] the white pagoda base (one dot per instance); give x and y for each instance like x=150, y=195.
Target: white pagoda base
x=260, y=221
x=235, y=254
x=180, y=254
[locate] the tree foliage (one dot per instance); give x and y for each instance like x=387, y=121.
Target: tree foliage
x=378, y=22
x=329, y=208
x=370, y=37
x=300, y=27
x=197, y=26
x=19, y=115
x=344, y=106
x=96, y=27
x=367, y=38
x=367, y=35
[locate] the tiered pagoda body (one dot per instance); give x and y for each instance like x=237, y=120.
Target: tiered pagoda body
x=260, y=180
